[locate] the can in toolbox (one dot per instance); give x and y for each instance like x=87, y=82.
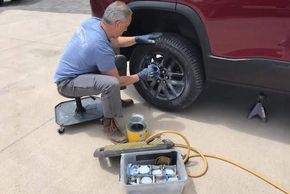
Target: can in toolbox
x=156, y=184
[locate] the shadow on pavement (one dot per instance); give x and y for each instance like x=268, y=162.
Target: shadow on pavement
x=13, y=3
x=218, y=105
x=229, y=106
x=64, y=6
x=111, y=165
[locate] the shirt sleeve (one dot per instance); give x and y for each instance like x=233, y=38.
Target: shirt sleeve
x=106, y=58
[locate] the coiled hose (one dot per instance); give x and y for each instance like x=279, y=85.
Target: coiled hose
x=187, y=156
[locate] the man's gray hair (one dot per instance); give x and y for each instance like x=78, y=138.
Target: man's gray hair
x=116, y=11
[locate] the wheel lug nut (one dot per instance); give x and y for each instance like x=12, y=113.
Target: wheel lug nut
x=166, y=77
x=158, y=81
x=164, y=81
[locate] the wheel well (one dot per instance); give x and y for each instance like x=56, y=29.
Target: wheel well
x=146, y=21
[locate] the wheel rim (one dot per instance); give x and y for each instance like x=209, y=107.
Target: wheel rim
x=171, y=82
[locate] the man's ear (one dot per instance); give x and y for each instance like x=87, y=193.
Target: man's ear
x=117, y=23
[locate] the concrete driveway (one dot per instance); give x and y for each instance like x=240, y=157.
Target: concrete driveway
x=35, y=159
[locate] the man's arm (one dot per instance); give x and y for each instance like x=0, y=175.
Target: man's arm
x=123, y=41
x=126, y=41
x=124, y=80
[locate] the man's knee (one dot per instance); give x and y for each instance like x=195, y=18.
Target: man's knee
x=113, y=84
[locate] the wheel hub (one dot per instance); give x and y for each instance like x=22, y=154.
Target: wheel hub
x=170, y=83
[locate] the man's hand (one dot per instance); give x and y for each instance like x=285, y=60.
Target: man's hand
x=154, y=69
x=149, y=73
x=148, y=38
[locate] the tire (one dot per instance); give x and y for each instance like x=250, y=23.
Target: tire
x=181, y=76
x=1, y=3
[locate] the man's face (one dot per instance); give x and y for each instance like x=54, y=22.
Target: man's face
x=121, y=26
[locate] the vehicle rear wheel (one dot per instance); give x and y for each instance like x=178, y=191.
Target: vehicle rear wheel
x=1, y=3
x=181, y=76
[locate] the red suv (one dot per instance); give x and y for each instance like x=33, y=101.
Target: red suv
x=239, y=42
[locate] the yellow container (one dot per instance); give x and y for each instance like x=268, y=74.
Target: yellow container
x=136, y=128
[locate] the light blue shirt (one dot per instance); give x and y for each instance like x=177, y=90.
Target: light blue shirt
x=88, y=51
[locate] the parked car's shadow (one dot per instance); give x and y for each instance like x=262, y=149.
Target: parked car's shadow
x=229, y=106
x=13, y=3
x=76, y=6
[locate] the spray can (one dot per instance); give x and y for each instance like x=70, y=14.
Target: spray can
x=136, y=128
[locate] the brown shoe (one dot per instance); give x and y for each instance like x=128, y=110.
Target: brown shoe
x=126, y=103
x=113, y=132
